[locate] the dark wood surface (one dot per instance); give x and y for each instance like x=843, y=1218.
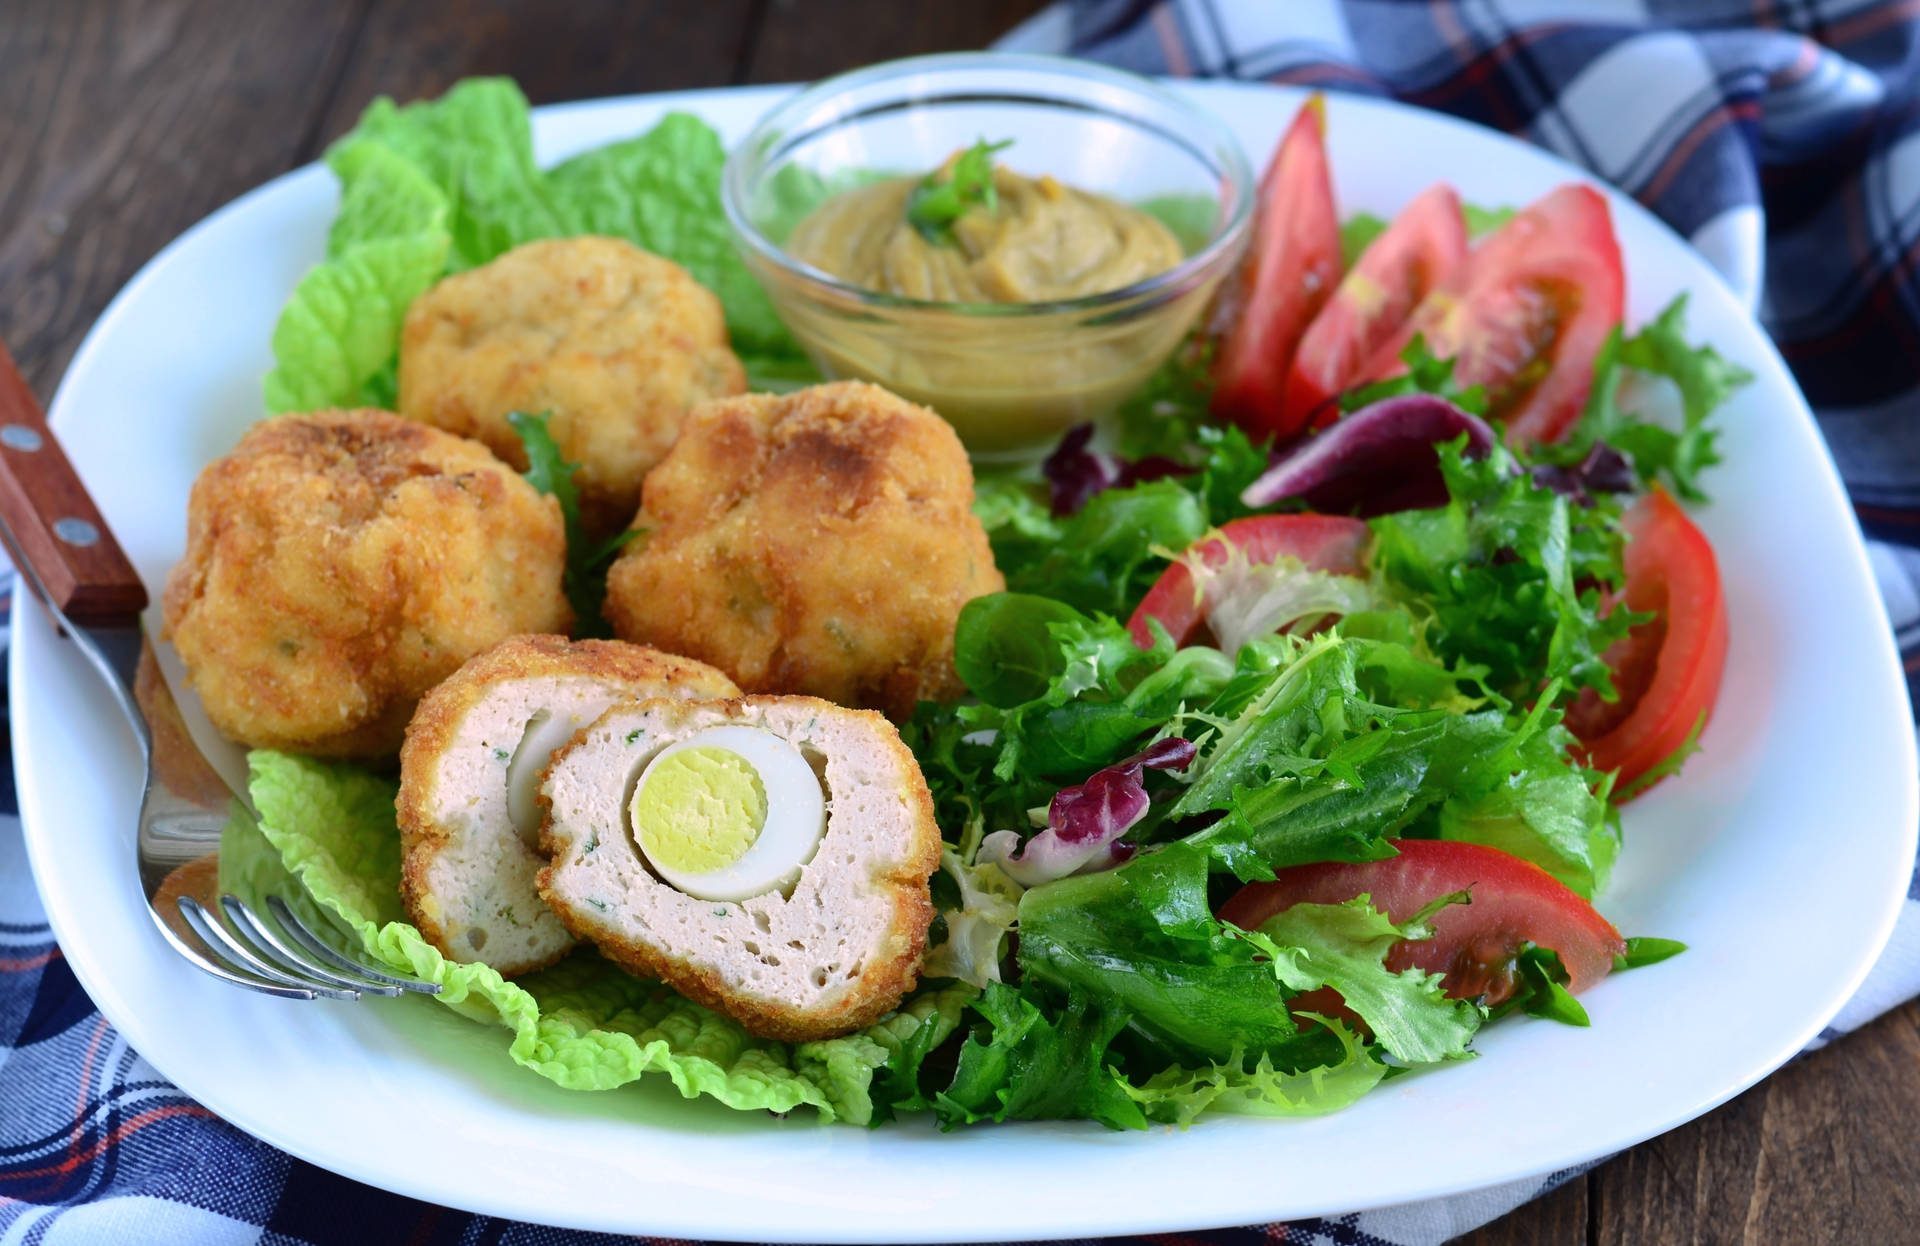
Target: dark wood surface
x=123, y=122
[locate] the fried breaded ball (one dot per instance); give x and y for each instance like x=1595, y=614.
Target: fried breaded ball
x=613, y=343
x=830, y=953
x=340, y=564
x=819, y=542
x=470, y=774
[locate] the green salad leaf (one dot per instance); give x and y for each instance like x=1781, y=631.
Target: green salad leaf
x=1104, y=557
x=1345, y=946
x=337, y=336
x=584, y=578
x=1188, y=217
x=1143, y=940
x=1004, y=649
x=1647, y=951
x=661, y=191
x=1624, y=407
x=1426, y=374
x=1483, y=221
x=1039, y=1064
x=1357, y=233
x=1178, y=1095
x=1546, y=814
x=1513, y=575
x=583, y=1023
x=476, y=144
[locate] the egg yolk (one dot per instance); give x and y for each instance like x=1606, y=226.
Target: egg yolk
x=699, y=810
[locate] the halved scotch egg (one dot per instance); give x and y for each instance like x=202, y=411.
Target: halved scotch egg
x=470, y=777
x=768, y=856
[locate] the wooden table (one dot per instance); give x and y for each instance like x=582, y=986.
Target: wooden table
x=123, y=122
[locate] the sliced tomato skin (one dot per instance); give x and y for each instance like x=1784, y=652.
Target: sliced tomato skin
x=1332, y=543
x=1474, y=945
x=1289, y=272
x=1668, y=671
x=1422, y=247
x=1527, y=313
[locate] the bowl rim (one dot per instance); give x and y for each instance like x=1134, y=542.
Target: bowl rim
x=1222, y=245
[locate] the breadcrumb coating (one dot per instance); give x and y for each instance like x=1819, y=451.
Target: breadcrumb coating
x=820, y=542
x=613, y=343
x=341, y=563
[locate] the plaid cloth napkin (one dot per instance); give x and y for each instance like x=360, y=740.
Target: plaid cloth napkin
x=1781, y=136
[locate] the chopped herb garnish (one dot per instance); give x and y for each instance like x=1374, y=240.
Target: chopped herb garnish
x=936, y=203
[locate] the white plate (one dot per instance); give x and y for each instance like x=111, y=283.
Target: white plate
x=1781, y=855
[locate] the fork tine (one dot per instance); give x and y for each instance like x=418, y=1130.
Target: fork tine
x=270, y=945
x=201, y=961
x=305, y=937
x=234, y=952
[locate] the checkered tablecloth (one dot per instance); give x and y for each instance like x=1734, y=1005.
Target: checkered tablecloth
x=1781, y=136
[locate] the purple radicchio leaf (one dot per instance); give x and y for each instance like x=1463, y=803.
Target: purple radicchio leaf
x=1603, y=470
x=1085, y=823
x=1378, y=460
x=1075, y=471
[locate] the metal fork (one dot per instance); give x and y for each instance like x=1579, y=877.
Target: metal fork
x=68, y=559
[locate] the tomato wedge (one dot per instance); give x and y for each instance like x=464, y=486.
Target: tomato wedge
x=1416, y=253
x=1321, y=542
x=1515, y=902
x=1667, y=671
x=1288, y=273
x=1526, y=313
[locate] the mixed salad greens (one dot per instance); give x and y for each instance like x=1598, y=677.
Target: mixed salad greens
x=1198, y=701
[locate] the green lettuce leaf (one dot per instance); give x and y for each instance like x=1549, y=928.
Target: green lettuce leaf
x=1512, y=574
x=1177, y=1095
x=1357, y=233
x=336, y=338
x=1104, y=559
x=476, y=144
x=1668, y=437
x=583, y=1023
x=975, y=925
x=1548, y=815
x=1189, y=216
x=1142, y=940
x=661, y=191
x=1036, y=1066
x=1482, y=221
x=1344, y=946
x=795, y=190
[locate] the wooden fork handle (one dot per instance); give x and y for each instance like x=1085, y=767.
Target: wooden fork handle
x=51, y=523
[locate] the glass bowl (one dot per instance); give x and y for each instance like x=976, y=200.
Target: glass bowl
x=1010, y=377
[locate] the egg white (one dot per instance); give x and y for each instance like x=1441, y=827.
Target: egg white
x=545, y=732
x=796, y=817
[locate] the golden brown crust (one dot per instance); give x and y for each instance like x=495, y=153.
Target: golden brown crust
x=820, y=542
x=613, y=343
x=438, y=719
x=341, y=563
x=885, y=978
